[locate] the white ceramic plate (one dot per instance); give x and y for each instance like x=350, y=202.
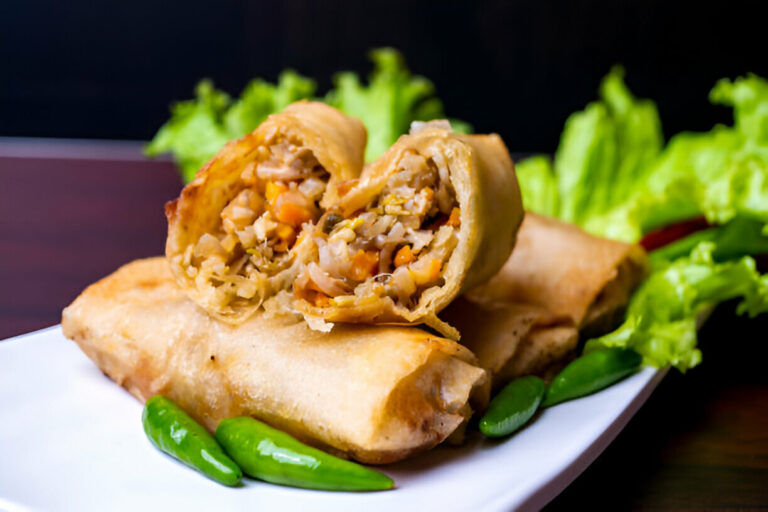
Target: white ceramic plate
x=70, y=439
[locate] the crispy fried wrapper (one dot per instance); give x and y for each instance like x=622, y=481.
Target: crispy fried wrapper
x=235, y=232
x=512, y=339
x=563, y=269
x=438, y=213
x=560, y=283
x=375, y=394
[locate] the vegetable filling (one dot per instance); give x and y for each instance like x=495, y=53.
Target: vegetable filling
x=396, y=247
x=279, y=195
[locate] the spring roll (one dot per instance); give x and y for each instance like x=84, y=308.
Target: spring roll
x=512, y=339
x=558, y=284
x=436, y=214
x=374, y=394
x=567, y=271
x=234, y=232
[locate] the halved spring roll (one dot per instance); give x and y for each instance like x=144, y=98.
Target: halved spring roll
x=435, y=215
x=559, y=267
x=376, y=394
x=234, y=232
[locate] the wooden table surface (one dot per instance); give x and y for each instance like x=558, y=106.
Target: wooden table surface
x=71, y=212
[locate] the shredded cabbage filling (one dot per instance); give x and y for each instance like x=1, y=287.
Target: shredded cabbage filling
x=396, y=247
x=279, y=197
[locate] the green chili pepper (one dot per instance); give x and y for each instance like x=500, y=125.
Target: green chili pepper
x=173, y=431
x=271, y=455
x=592, y=372
x=513, y=406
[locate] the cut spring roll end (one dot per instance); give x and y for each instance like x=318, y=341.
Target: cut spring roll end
x=236, y=231
x=435, y=215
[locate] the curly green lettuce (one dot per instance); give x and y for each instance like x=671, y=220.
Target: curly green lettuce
x=539, y=191
x=200, y=127
x=613, y=177
x=739, y=237
x=663, y=315
x=392, y=99
x=605, y=151
x=260, y=98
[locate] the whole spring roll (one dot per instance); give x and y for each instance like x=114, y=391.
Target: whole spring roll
x=558, y=284
x=511, y=339
x=234, y=233
x=559, y=267
x=436, y=214
x=373, y=394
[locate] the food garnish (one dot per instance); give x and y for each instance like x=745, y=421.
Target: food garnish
x=513, y=406
x=613, y=176
x=665, y=312
x=174, y=432
x=591, y=372
x=273, y=456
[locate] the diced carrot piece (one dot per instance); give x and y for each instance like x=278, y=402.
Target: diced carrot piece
x=322, y=300
x=364, y=265
x=286, y=232
x=293, y=214
x=273, y=191
x=455, y=218
x=434, y=269
x=404, y=256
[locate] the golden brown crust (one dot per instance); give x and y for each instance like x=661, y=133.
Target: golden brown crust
x=483, y=177
x=567, y=271
x=376, y=394
x=558, y=282
x=512, y=339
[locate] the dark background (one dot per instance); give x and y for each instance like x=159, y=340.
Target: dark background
x=109, y=69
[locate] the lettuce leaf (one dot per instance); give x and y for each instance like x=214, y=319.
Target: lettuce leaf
x=605, y=150
x=739, y=237
x=260, y=98
x=614, y=179
x=195, y=131
x=389, y=103
x=393, y=98
x=539, y=191
x=663, y=315
x=612, y=175
x=198, y=128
